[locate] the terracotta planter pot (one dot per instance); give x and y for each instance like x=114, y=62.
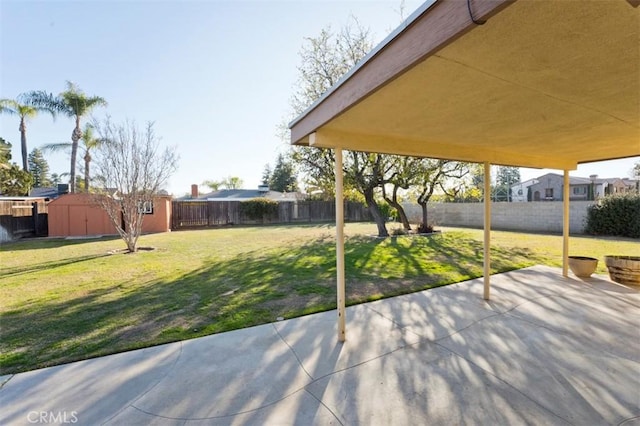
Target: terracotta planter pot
x=624, y=269
x=582, y=266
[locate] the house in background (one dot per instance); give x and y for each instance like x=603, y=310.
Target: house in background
x=616, y=186
x=520, y=190
x=75, y=215
x=263, y=191
x=549, y=188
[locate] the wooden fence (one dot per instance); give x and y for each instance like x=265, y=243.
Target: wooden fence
x=189, y=214
x=22, y=219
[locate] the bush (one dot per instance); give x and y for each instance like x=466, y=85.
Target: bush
x=259, y=209
x=615, y=215
x=424, y=228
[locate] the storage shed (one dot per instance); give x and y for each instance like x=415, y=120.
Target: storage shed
x=75, y=215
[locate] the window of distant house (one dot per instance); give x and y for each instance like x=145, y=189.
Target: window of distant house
x=548, y=193
x=579, y=190
x=519, y=191
x=146, y=207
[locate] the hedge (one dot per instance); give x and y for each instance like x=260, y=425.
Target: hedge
x=259, y=209
x=615, y=215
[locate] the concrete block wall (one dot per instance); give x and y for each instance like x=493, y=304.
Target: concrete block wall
x=531, y=216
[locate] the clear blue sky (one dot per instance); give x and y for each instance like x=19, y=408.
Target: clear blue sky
x=215, y=76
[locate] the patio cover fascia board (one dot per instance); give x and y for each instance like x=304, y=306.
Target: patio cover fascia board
x=555, y=84
x=409, y=44
x=325, y=138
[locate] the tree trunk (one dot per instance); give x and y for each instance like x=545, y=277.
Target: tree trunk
x=425, y=216
x=87, y=162
x=23, y=145
x=374, y=209
x=403, y=216
x=75, y=137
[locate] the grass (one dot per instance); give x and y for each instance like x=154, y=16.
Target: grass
x=64, y=300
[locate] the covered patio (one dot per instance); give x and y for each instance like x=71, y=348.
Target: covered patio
x=543, y=84
x=547, y=350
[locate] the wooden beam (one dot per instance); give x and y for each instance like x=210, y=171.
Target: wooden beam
x=340, y=281
x=487, y=230
x=478, y=153
x=565, y=224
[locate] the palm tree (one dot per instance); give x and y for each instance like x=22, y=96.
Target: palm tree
x=73, y=103
x=89, y=142
x=25, y=106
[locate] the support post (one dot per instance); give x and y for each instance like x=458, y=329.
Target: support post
x=487, y=230
x=340, y=281
x=565, y=225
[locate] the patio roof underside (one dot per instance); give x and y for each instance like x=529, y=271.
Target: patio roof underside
x=546, y=84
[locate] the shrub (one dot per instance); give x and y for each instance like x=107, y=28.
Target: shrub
x=424, y=228
x=259, y=209
x=615, y=215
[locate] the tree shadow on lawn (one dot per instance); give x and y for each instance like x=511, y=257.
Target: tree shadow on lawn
x=51, y=243
x=18, y=270
x=249, y=289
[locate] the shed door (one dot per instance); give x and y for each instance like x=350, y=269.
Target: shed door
x=78, y=221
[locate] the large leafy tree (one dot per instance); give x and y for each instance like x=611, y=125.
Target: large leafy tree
x=365, y=172
x=26, y=106
x=13, y=180
x=402, y=176
x=90, y=142
x=74, y=103
x=39, y=169
x=324, y=60
x=432, y=175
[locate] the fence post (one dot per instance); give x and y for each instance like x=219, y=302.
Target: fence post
x=34, y=215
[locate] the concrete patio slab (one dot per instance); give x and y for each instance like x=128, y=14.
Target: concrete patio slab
x=545, y=350
x=426, y=384
x=314, y=339
x=92, y=391
x=226, y=374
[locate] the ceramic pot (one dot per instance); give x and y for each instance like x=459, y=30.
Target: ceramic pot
x=582, y=266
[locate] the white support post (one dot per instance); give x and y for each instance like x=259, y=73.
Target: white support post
x=487, y=230
x=340, y=282
x=565, y=225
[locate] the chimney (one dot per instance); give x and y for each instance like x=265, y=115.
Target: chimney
x=194, y=191
x=63, y=188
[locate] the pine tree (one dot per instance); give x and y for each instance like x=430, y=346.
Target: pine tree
x=283, y=177
x=39, y=169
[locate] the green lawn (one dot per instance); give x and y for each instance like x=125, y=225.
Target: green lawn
x=68, y=300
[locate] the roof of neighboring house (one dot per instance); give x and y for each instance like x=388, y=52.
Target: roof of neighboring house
x=573, y=180
x=244, y=194
x=45, y=192
x=526, y=183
